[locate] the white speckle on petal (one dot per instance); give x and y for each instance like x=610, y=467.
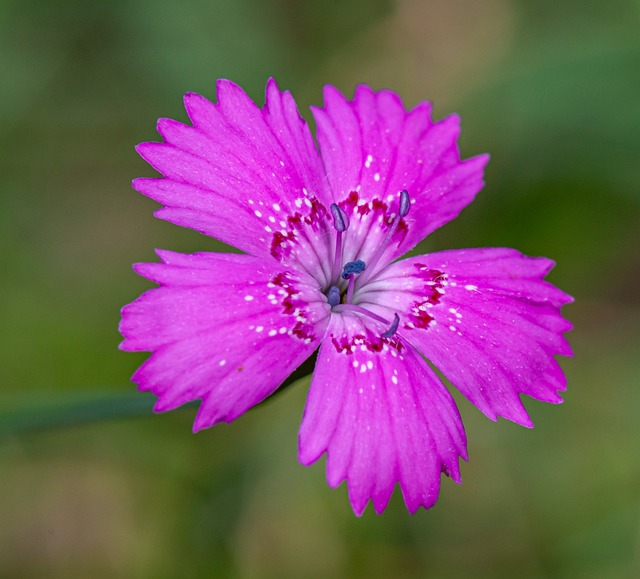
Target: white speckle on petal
x=394, y=379
x=376, y=177
x=248, y=298
x=368, y=161
x=471, y=288
x=369, y=364
x=283, y=330
x=259, y=329
x=276, y=207
x=272, y=332
x=363, y=368
x=222, y=362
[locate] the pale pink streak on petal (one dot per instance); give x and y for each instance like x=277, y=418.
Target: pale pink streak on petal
x=382, y=417
x=486, y=319
x=220, y=330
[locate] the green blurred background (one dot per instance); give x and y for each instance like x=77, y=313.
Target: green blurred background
x=93, y=484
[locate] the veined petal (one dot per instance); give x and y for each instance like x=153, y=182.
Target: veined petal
x=382, y=416
x=485, y=318
x=373, y=147
x=223, y=328
x=239, y=171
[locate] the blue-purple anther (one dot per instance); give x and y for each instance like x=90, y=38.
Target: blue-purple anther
x=340, y=218
x=353, y=268
x=394, y=327
x=333, y=295
x=405, y=203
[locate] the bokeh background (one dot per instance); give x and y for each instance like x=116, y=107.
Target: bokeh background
x=93, y=484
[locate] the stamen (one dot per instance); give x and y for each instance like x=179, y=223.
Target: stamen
x=403, y=209
x=352, y=268
x=405, y=203
x=340, y=218
x=341, y=223
x=349, y=272
x=350, y=288
x=360, y=310
x=333, y=295
x=394, y=327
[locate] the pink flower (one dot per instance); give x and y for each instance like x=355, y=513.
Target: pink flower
x=321, y=230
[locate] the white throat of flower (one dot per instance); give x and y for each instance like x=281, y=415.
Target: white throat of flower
x=357, y=272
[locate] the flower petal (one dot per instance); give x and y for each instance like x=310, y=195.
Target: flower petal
x=223, y=328
x=485, y=318
x=382, y=416
x=238, y=171
x=372, y=146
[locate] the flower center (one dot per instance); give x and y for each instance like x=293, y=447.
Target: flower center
x=357, y=272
